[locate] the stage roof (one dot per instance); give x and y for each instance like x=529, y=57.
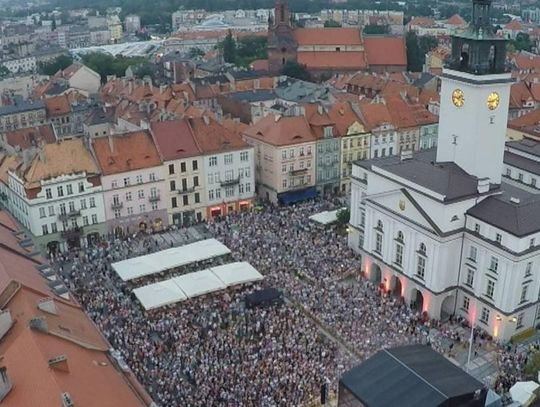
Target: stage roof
x=168, y=259
x=408, y=376
x=159, y=294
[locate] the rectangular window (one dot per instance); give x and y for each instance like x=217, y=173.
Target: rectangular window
x=210, y=178
x=211, y=194
x=171, y=169
x=197, y=197
x=466, y=303
x=284, y=168
x=523, y=297
x=240, y=188
x=484, y=316
x=139, y=179
x=195, y=181
x=94, y=219
x=195, y=165
x=229, y=191
x=528, y=269
x=48, y=193
x=248, y=187
x=114, y=184
x=532, y=242
x=130, y=210
x=184, y=184
x=520, y=177
x=174, y=202
x=494, y=264
x=473, y=253
x=212, y=161
x=421, y=267
x=172, y=185
x=83, y=203
x=140, y=193
x=477, y=227
x=63, y=208
x=470, y=278
x=519, y=321
x=490, y=288
x=533, y=182
x=244, y=156
x=218, y=193
x=228, y=159
x=51, y=210
x=54, y=227
x=92, y=202
x=60, y=191
x=284, y=184
x=182, y=167
x=45, y=229
x=71, y=206
x=152, y=177
x=283, y=154
x=399, y=254
x=116, y=213
x=142, y=208
x=69, y=189
x=498, y=238
x=378, y=243
x=85, y=220
x=42, y=213
x=185, y=200
x=126, y=181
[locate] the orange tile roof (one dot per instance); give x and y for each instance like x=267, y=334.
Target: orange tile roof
x=174, y=140
x=526, y=61
x=328, y=36
x=375, y=114
x=213, y=137
x=281, y=131
x=456, y=20
x=422, y=22
x=519, y=94
x=130, y=151
x=514, y=25
x=343, y=116
x=57, y=105
x=401, y=113
x=382, y=50
x=61, y=158
x=530, y=119
x=71, y=70
x=30, y=136
x=332, y=59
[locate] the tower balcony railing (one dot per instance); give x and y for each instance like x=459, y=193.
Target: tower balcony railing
x=477, y=69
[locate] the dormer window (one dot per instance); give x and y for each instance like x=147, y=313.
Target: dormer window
x=328, y=132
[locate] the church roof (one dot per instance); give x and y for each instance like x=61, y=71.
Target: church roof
x=328, y=36
x=332, y=59
x=385, y=50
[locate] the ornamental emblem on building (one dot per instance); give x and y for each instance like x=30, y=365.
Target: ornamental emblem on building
x=402, y=204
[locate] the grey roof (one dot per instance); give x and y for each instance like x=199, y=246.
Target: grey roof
x=253, y=96
x=409, y=376
x=517, y=218
x=23, y=106
x=526, y=145
x=445, y=178
x=523, y=163
x=100, y=116
x=296, y=90
x=246, y=74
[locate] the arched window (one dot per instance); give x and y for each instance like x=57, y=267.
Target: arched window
x=399, y=249
x=464, y=62
x=400, y=236
x=380, y=225
x=282, y=13
x=492, y=56
x=422, y=249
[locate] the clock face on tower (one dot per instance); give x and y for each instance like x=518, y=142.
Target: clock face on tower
x=458, y=98
x=493, y=100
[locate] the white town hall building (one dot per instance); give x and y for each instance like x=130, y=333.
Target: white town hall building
x=457, y=230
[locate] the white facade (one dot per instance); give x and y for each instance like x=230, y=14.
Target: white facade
x=28, y=64
x=463, y=128
x=230, y=180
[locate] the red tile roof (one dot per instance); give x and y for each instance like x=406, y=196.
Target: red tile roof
x=422, y=22
x=260, y=65
x=281, y=131
x=332, y=59
x=519, y=94
x=514, y=25
x=343, y=115
x=456, y=20
x=125, y=152
x=375, y=114
x=525, y=121
x=328, y=36
x=30, y=136
x=213, y=137
x=401, y=113
x=58, y=105
x=382, y=51
x=174, y=140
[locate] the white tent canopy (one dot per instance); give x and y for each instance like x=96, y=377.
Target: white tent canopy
x=325, y=217
x=524, y=392
x=159, y=294
x=168, y=259
x=195, y=284
x=237, y=273
x=199, y=283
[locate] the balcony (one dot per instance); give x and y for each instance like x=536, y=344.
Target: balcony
x=186, y=190
x=230, y=182
x=71, y=214
x=117, y=205
x=154, y=198
x=302, y=171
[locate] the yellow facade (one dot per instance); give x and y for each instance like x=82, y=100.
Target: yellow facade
x=354, y=146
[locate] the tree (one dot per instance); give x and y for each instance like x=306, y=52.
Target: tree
x=522, y=42
x=427, y=43
x=106, y=64
x=414, y=56
x=60, y=63
x=331, y=24
x=296, y=70
x=376, y=29
x=4, y=71
x=196, y=52
x=343, y=216
x=229, y=48
x=533, y=366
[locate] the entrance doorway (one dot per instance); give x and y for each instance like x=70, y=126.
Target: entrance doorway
x=417, y=300
x=395, y=283
x=447, y=307
x=376, y=274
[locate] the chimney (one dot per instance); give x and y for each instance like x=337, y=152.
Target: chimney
x=320, y=109
x=406, y=155
x=483, y=185
x=163, y=89
x=48, y=305
x=111, y=141
x=59, y=363
x=206, y=120
x=5, y=383
x=42, y=155
x=5, y=322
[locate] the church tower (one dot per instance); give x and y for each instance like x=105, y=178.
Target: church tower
x=282, y=45
x=475, y=97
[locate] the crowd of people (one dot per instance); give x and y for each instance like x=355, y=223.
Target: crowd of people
x=212, y=350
